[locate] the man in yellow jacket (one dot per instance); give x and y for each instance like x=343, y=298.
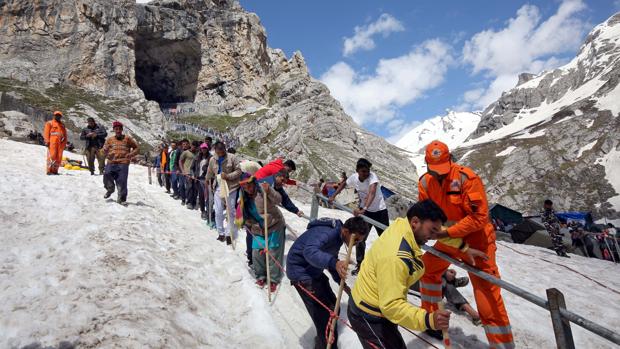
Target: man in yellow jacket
x=378, y=302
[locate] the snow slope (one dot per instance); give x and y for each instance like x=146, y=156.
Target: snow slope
x=452, y=129
x=75, y=267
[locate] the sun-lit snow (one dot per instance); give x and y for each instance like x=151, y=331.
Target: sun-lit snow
x=506, y=151
x=451, y=129
x=586, y=148
x=76, y=267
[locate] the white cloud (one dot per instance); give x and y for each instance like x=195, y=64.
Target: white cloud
x=395, y=82
x=525, y=45
x=363, y=37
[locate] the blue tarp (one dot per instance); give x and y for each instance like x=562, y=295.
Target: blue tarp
x=386, y=192
x=584, y=218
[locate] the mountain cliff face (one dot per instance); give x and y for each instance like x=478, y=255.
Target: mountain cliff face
x=209, y=56
x=555, y=135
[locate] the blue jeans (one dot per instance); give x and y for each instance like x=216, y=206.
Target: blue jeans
x=174, y=183
x=182, y=184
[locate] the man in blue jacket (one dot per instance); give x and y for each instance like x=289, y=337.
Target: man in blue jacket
x=314, y=251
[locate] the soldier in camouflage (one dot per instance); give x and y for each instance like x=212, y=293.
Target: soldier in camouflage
x=552, y=224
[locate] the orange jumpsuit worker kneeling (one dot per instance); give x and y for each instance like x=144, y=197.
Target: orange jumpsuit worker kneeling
x=55, y=135
x=461, y=195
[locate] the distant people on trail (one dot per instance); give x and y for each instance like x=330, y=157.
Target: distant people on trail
x=200, y=166
x=256, y=218
x=378, y=302
x=174, y=168
x=371, y=203
x=94, y=136
x=224, y=171
x=163, y=166
x=55, y=136
x=185, y=160
x=581, y=240
x=313, y=252
x=192, y=176
x=552, y=224
x=461, y=195
x=119, y=150
x=449, y=288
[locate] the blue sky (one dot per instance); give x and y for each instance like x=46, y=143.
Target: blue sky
x=393, y=64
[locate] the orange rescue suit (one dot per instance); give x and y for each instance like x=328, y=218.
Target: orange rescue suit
x=462, y=197
x=55, y=135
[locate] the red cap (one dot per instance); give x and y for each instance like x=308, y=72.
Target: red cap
x=57, y=113
x=438, y=157
x=117, y=124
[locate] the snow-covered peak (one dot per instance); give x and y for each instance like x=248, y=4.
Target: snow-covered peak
x=451, y=129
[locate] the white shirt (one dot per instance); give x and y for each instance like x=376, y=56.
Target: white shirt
x=363, y=188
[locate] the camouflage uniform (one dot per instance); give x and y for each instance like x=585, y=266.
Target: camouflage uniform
x=552, y=224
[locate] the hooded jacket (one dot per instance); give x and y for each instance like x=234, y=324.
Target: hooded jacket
x=96, y=142
x=315, y=250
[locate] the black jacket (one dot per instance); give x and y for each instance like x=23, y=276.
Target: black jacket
x=96, y=142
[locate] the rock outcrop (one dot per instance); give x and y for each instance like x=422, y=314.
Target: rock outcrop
x=210, y=56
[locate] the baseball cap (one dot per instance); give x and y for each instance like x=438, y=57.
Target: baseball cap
x=204, y=146
x=57, y=113
x=117, y=124
x=438, y=157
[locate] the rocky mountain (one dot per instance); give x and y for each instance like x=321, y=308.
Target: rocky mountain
x=122, y=60
x=453, y=129
x=556, y=134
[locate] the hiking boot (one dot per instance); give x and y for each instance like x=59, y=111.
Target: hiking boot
x=221, y=238
x=356, y=270
x=92, y=173
x=168, y=191
x=274, y=287
x=437, y=334
x=176, y=197
x=182, y=202
x=461, y=282
x=121, y=201
x=108, y=194
x=228, y=240
x=260, y=283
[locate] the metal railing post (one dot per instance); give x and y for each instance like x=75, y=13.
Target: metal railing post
x=561, y=325
x=314, y=209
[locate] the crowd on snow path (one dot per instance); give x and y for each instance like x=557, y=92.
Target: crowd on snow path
x=248, y=195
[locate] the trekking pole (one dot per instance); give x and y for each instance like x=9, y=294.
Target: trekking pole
x=332, y=326
x=446, y=336
x=267, y=246
x=150, y=180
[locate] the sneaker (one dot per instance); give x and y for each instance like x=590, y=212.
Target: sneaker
x=168, y=191
x=220, y=238
x=228, y=240
x=182, y=202
x=476, y=321
x=108, y=194
x=203, y=215
x=92, y=173
x=190, y=206
x=274, y=287
x=437, y=334
x=356, y=270
x=260, y=283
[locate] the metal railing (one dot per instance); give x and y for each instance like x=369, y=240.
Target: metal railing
x=560, y=316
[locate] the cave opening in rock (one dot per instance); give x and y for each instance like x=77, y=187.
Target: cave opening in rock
x=167, y=70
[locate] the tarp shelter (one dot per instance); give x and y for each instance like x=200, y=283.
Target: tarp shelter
x=386, y=192
x=505, y=214
x=585, y=218
x=524, y=230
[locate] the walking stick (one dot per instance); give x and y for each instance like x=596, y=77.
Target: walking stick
x=446, y=336
x=266, y=224
x=332, y=326
x=150, y=180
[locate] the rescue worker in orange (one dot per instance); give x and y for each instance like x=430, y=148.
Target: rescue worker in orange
x=461, y=195
x=55, y=135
